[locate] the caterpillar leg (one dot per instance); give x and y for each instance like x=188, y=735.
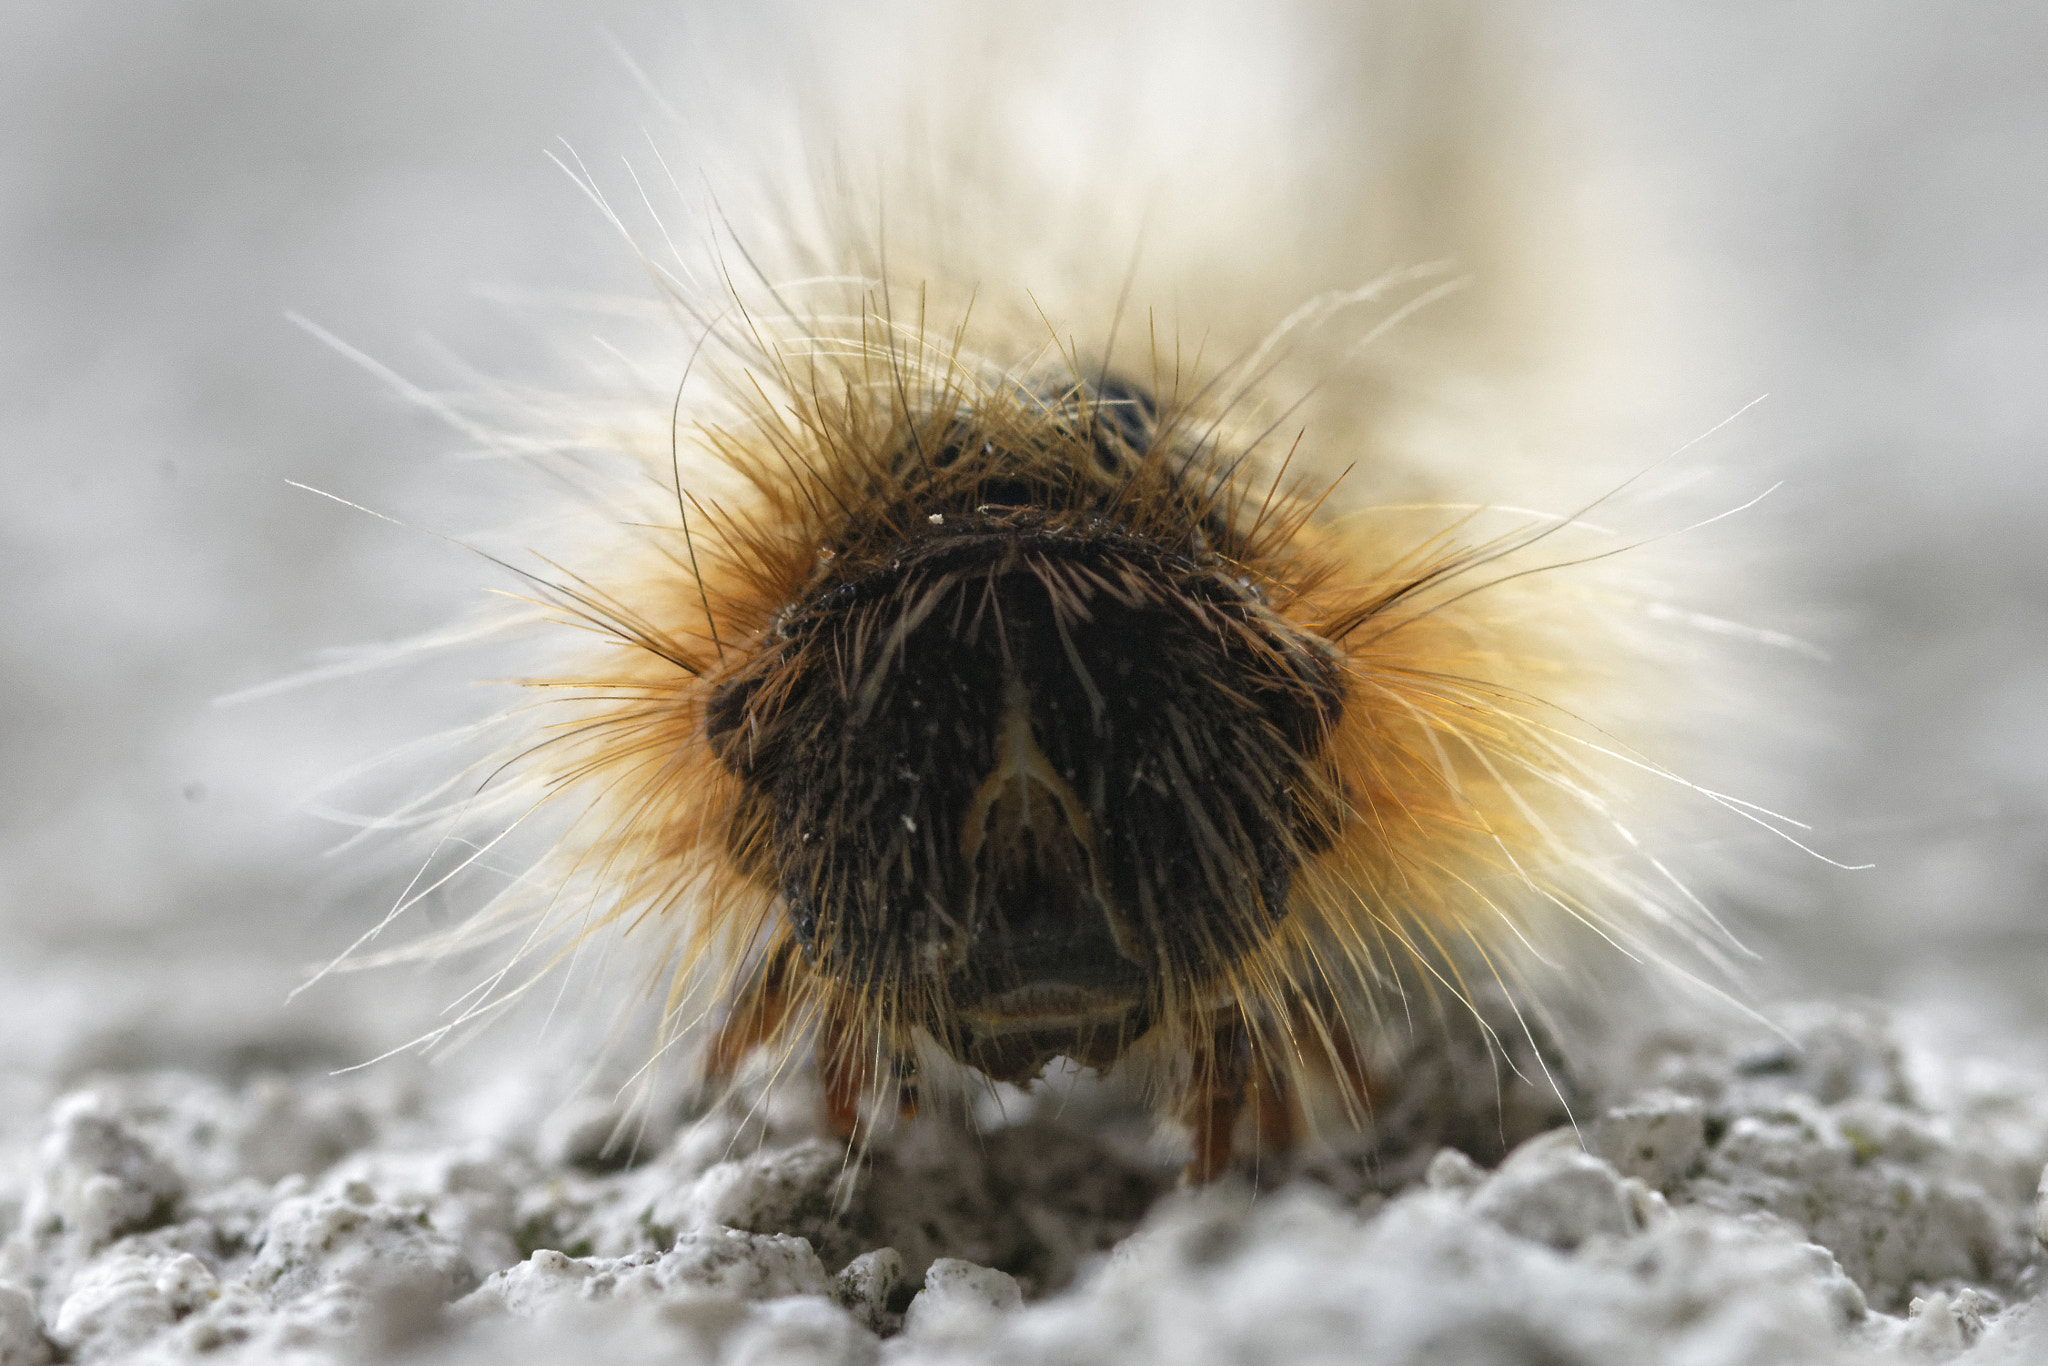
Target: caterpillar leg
x=851, y=1060
x=1231, y=1074
x=1219, y=1077
x=759, y=1011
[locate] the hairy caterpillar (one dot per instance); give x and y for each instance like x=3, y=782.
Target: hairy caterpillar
x=1087, y=606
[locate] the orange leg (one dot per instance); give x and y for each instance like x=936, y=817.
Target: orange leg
x=846, y=1059
x=758, y=1013
x=850, y=1061
x=1213, y=1113
x=1231, y=1073
x=1215, y=1099
x=846, y=1070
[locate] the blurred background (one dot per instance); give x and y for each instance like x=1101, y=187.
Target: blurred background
x=1859, y=182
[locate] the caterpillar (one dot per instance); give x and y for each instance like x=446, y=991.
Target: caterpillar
x=1135, y=583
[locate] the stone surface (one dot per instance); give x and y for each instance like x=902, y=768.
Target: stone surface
x=1725, y=1198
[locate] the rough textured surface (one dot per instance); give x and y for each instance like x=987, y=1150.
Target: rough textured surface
x=1786, y=1198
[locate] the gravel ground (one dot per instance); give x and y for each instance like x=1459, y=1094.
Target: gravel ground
x=1817, y=1193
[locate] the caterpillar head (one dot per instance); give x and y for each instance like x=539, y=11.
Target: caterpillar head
x=1030, y=761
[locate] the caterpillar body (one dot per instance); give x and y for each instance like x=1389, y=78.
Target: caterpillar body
x=1071, y=606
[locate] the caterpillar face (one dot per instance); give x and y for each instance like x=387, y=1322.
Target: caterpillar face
x=1030, y=758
